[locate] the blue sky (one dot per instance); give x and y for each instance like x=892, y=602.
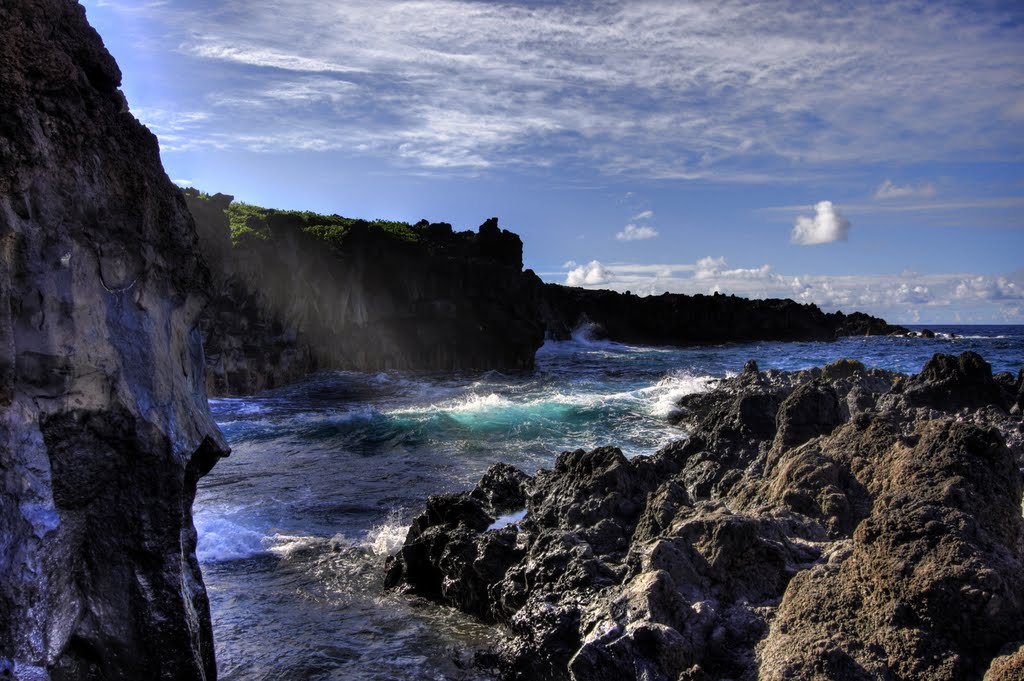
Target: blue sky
x=855, y=155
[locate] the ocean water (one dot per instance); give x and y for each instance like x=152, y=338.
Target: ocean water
x=295, y=526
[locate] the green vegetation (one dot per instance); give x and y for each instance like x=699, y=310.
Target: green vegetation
x=254, y=222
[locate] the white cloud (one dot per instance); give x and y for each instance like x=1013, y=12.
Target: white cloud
x=826, y=226
x=896, y=297
x=636, y=233
x=643, y=215
x=591, y=274
x=182, y=183
x=709, y=267
x=888, y=190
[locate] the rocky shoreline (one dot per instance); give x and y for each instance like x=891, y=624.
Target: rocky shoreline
x=840, y=522
x=680, y=565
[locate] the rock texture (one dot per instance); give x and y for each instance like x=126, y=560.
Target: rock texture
x=104, y=426
x=836, y=523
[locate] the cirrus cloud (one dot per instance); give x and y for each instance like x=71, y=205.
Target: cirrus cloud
x=636, y=233
x=889, y=190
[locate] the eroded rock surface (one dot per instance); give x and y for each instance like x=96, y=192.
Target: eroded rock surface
x=836, y=523
x=104, y=426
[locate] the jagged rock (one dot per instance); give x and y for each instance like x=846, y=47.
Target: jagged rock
x=104, y=427
x=1009, y=666
x=949, y=383
x=931, y=588
x=815, y=525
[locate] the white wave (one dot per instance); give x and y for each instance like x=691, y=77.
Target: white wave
x=239, y=405
x=285, y=545
x=222, y=540
x=478, y=403
x=670, y=389
x=386, y=539
x=240, y=424
x=506, y=520
x=947, y=336
x=585, y=334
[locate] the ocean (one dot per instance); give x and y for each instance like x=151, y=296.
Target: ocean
x=325, y=476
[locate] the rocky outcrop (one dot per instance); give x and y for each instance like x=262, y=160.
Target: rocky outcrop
x=677, y=319
x=840, y=523
x=104, y=427
x=296, y=297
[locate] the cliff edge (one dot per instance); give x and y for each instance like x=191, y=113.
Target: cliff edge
x=295, y=291
x=104, y=426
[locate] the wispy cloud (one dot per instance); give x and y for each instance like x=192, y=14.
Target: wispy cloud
x=887, y=190
x=965, y=204
x=827, y=225
x=636, y=233
x=454, y=83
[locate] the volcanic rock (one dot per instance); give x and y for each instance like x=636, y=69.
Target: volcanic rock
x=841, y=523
x=104, y=426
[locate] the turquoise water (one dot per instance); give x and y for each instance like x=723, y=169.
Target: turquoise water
x=295, y=525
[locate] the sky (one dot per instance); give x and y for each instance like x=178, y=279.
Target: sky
x=856, y=155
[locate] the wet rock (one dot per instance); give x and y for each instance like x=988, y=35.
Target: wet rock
x=104, y=426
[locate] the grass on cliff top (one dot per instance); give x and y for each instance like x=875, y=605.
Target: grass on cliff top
x=251, y=222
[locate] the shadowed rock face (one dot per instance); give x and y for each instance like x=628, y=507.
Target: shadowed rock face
x=836, y=523
x=677, y=319
x=104, y=427
x=291, y=302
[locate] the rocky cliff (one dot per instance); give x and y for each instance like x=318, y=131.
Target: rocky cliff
x=837, y=523
x=296, y=291
x=677, y=319
x=104, y=426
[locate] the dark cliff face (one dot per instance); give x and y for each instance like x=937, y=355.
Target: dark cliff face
x=677, y=319
x=104, y=426
x=295, y=292
x=290, y=300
